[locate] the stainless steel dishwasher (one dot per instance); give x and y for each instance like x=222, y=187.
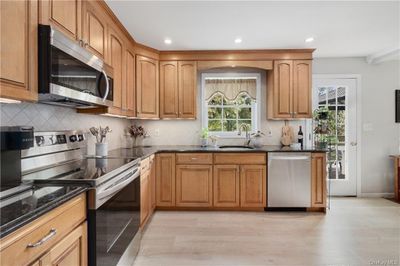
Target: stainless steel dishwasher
x=289, y=179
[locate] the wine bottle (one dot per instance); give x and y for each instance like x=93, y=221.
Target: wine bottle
x=300, y=137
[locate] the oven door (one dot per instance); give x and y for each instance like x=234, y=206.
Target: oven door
x=114, y=226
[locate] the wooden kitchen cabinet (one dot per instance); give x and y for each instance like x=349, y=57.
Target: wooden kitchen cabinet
x=169, y=94
x=18, y=50
x=147, y=89
x=144, y=196
x=178, y=89
x=129, y=102
x=65, y=15
x=226, y=186
x=289, y=89
x=187, y=84
x=194, y=186
x=72, y=250
x=318, y=180
x=152, y=166
x=116, y=61
x=253, y=186
x=64, y=229
x=165, y=179
x=94, y=33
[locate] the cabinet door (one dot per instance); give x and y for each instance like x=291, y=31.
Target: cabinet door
x=169, y=97
x=130, y=84
x=318, y=180
x=165, y=179
x=152, y=183
x=18, y=50
x=226, y=186
x=282, y=89
x=187, y=75
x=194, y=185
x=144, y=197
x=302, y=89
x=253, y=186
x=71, y=250
x=65, y=15
x=94, y=28
x=116, y=61
x=147, y=87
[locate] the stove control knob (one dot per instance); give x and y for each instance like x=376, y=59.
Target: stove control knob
x=73, y=138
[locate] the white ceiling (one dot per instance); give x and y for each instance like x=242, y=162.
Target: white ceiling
x=340, y=28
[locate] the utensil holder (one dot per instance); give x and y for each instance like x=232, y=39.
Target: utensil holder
x=101, y=149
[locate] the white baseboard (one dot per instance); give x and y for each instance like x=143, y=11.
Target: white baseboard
x=377, y=195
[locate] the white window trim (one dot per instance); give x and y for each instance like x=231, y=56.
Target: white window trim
x=256, y=119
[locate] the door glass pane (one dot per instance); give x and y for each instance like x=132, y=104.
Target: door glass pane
x=332, y=96
x=322, y=95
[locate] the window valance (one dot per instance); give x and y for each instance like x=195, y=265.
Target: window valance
x=230, y=88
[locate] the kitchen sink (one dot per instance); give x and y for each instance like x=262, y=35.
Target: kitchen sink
x=233, y=147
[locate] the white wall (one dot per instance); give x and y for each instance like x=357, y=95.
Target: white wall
x=378, y=83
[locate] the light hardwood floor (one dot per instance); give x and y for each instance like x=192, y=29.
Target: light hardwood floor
x=354, y=232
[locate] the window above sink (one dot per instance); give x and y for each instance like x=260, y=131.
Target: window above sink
x=230, y=100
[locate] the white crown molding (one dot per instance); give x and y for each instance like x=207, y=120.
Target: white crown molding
x=387, y=55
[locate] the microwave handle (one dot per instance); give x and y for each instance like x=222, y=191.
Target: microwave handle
x=107, y=85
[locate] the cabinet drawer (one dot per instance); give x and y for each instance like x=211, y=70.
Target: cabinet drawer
x=194, y=158
x=50, y=228
x=239, y=158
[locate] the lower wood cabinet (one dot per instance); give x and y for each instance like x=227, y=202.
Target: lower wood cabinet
x=226, y=186
x=152, y=167
x=144, y=196
x=72, y=250
x=63, y=232
x=253, y=186
x=194, y=185
x=318, y=180
x=165, y=179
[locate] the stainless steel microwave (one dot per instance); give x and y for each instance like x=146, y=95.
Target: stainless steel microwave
x=69, y=75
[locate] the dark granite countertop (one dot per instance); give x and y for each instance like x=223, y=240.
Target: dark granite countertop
x=145, y=151
x=18, y=211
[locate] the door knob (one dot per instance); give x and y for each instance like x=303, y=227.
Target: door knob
x=353, y=143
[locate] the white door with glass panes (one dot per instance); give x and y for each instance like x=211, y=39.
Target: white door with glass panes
x=337, y=98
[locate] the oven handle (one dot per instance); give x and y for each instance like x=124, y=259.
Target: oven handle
x=107, y=85
x=118, y=185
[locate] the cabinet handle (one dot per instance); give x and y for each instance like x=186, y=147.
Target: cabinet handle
x=80, y=43
x=47, y=237
x=86, y=44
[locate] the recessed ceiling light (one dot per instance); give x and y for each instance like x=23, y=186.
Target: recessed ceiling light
x=309, y=39
x=167, y=41
x=238, y=40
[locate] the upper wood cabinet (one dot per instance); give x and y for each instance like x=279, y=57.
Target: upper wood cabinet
x=129, y=104
x=187, y=78
x=94, y=28
x=289, y=89
x=194, y=185
x=169, y=94
x=116, y=61
x=65, y=15
x=178, y=87
x=253, y=186
x=165, y=179
x=302, y=88
x=147, y=90
x=226, y=186
x=318, y=180
x=18, y=50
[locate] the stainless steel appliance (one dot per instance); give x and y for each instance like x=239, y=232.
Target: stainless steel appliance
x=114, y=195
x=13, y=140
x=69, y=75
x=289, y=180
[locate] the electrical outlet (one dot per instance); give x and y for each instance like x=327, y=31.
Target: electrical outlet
x=157, y=132
x=269, y=132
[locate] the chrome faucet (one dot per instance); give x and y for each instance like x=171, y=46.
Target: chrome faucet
x=246, y=128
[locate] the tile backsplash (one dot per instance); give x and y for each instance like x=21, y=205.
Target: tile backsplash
x=47, y=117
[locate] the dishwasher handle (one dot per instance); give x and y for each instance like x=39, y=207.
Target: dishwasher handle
x=292, y=158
